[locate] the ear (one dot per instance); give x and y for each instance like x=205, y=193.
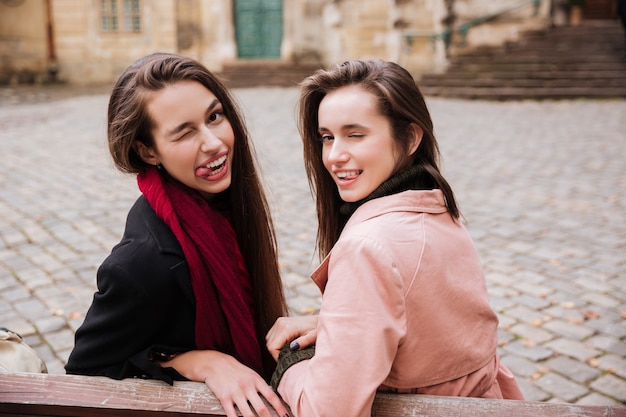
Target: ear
x=418, y=133
x=146, y=153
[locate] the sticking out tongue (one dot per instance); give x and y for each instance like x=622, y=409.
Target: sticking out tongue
x=204, y=172
x=207, y=172
x=350, y=177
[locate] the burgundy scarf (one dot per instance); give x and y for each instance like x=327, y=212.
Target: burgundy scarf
x=218, y=275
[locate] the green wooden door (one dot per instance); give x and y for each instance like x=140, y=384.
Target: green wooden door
x=259, y=28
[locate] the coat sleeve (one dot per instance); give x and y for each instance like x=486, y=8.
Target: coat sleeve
x=361, y=323
x=116, y=338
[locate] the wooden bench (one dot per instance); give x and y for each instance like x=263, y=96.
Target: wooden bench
x=70, y=395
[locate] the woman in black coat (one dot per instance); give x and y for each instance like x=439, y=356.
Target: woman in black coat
x=142, y=309
x=193, y=286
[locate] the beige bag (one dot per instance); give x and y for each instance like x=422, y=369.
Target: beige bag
x=17, y=356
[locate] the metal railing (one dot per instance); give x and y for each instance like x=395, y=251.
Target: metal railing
x=463, y=29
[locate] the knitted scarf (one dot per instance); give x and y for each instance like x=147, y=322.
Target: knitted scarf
x=219, y=279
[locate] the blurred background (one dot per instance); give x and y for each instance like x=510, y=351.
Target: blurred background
x=464, y=48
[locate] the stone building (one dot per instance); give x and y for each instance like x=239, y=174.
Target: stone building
x=91, y=41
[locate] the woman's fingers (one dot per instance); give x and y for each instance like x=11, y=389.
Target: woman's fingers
x=252, y=404
x=305, y=340
x=238, y=387
x=302, y=330
x=246, y=411
x=274, y=400
x=229, y=409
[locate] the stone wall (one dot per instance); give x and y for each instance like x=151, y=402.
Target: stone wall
x=23, y=42
x=323, y=31
x=86, y=54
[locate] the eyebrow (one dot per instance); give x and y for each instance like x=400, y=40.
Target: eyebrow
x=344, y=127
x=184, y=125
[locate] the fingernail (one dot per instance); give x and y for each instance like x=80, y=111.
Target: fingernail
x=294, y=346
x=286, y=415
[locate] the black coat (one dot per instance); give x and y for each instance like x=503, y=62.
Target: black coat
x=144, y=304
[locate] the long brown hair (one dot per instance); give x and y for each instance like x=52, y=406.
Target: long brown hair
x=400, y=100
x=129, y=122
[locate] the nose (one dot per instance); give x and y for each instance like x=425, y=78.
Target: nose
x=335, y=152
x=210, y=142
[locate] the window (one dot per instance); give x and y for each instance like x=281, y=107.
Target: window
x=120, y=15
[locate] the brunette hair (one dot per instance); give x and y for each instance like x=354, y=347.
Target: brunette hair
x=400, y=100
x=129, y=122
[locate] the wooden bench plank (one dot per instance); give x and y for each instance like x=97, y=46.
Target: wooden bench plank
x=72, y=395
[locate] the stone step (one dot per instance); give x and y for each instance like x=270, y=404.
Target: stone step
x=609, y=55
x=572, y=66
x=520, y=93
x=563, y=62
x=524, y=82
x=253, y=73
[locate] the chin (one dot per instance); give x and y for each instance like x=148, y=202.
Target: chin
x=350, y=198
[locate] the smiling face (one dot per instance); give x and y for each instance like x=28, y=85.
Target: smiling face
x=358, y=149
x=193, y=140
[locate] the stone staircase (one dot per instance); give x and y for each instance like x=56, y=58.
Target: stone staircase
x=273, y=73
x=586, y=61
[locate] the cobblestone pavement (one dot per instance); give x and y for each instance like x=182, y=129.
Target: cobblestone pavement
x=542, y=186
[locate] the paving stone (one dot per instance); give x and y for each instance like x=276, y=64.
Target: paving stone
x=31, y=309
x=573, y=349
x=615, y=315
x=529, y=276
x=533, y=333
x=597, y=399
x=5, y=308
x=521, y=367
x=532, y=392
x=613, y=364
x=60, y=340
x=19, y=325
x=524, y=314
x=604, y=300
x=572, y=369
x=561, y=387
x=44, y=352
x=616, y=329
x=55, y=366
x=536, y=290
x=50, y=324
x=534, y=302
x=569, y=330
x=499, y=303
x=534, y=353
x=503, y=293
x=500, y=278
x=16, y=294
x=608, y=344
x=612, y=386
x=504, y=337
x=595, y=285
x=35, y=279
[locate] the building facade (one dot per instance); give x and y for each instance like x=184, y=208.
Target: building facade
x=92, y=41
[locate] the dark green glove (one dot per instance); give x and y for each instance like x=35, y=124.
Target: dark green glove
x=287, y=358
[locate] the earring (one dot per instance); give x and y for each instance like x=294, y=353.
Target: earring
x=160, y=167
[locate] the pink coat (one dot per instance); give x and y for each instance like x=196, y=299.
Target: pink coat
x=404, y=309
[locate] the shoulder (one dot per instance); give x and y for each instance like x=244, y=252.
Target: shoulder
x=400, y=215
x=145, y=228
x=148, y=250
x=412, y=201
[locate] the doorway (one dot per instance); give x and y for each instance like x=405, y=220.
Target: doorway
x=258, y=28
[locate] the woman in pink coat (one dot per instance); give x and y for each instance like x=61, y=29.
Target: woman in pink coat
x=405, y=305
